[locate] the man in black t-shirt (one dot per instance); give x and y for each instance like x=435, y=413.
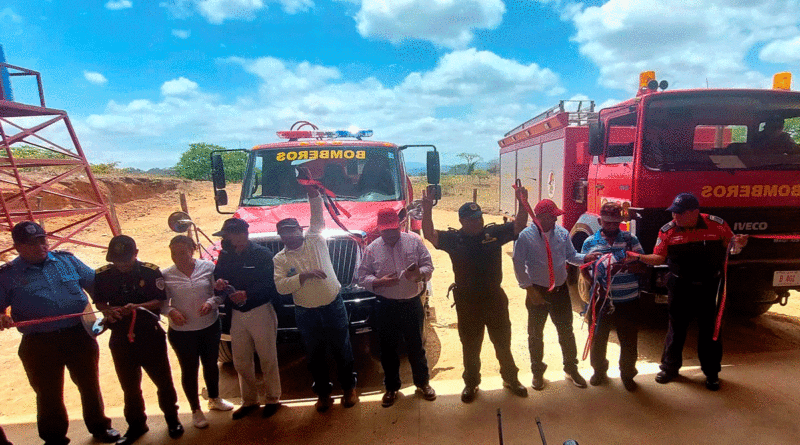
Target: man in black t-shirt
x=476, y=253
x=130, y=294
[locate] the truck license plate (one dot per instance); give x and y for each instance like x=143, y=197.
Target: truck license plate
x=786, y=278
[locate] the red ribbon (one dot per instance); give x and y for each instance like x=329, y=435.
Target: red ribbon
x=527, y=207
x=22, y=324
x=131, y=335
x=718, y=324
x=330, y=203
x=611, y=270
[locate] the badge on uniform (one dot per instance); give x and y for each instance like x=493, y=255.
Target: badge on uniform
x=292, y=272
x=488, y=239
x=141, y=282
x=160, y=283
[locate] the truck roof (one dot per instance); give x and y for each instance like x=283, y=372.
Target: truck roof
x=302, y=143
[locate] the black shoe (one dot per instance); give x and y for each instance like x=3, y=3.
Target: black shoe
x=538, y=382
x=712, y=383
x=576, y=378
x=243, y=411
x=269, y=409
x=108, y=436
x=664, y=377
x=598, y=378
x=516, y=388
x=323, y=403
x=388, y=399
x=427, y=392
x=469, y=393
x=132, y=435
x=629, y=384
x=174, y=429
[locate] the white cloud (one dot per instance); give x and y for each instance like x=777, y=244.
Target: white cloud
x=217, y=11
x=490, y=94
x=118, y=4
x=95, y=78
x=181, y=33
x=448, y=23
x=179, y=87
x=9, y=14
x=686, y=42
x=782, y=51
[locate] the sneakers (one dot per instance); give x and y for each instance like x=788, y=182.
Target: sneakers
x=664, y=377
x=576, y=378
x=243, y=411
x=199, y=419
x=323, y=403
x=269, y=409
x=712, y=383
x=350, y=398
x=598, y=378
x=389, y=399
x=516, y=388
x=219, y=404
x=427, y=392
x=469, y=393
x=538, y=382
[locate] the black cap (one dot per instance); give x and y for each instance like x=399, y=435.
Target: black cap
x=233, y=225
x=684, y=202
x=120, y=248
x=287, y=223
x=26, y=231
x=469, y=210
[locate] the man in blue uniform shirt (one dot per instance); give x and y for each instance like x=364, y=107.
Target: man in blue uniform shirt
x=38, y=284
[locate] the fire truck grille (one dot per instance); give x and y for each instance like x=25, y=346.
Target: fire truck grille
x=345, y=254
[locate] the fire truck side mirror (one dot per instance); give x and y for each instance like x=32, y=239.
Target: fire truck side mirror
x=433, y=167
x=221, y=198
x=218, y=172
x=596, y=138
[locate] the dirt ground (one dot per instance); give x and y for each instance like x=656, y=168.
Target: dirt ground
x=145, y=220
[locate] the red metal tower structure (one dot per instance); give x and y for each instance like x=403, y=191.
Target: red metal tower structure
x=35, y=171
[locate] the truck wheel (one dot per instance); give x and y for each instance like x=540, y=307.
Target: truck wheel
x=225, y=354
x=752, y=310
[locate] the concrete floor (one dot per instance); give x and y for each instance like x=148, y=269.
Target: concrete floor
x=759, y=403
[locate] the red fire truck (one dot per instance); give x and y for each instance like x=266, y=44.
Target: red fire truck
x=365, y=175
x=724, y=145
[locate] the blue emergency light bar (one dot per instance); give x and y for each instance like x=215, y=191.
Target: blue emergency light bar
x=322, y=134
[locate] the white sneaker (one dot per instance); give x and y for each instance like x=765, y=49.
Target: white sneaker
x=220, y=404
x=199, y=419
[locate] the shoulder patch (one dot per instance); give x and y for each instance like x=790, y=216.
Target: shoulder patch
x=666, y=227
x=150, y=266
x=716, y=219
x=103, y=268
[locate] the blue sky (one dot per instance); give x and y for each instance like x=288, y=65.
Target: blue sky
x=141, y=80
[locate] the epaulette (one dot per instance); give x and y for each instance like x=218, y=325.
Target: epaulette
x=489, y=225
x=103, y=268
x=62, y=252
x=666, y=227
x=716, y=219
x=450, y=229
x=150, y=266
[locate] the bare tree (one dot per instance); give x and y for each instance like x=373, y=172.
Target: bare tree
x=470, y=159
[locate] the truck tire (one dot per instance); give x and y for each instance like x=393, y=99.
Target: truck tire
x=225, y=354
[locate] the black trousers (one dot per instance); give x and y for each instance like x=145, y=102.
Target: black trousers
x=193, y=348
x=44, y=357
x=149, y=352
x=624, y=319
x=689, y=300
x=402, y=320
x=3, y=439
x=559, y=308
x=479, y=309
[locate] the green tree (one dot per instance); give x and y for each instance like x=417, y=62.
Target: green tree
x=470, y=159
x=792, y=126
x=195, y=163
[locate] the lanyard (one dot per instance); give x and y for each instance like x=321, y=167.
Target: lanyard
x=527, y=207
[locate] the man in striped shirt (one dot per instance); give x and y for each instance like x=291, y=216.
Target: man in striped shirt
x=624, y=297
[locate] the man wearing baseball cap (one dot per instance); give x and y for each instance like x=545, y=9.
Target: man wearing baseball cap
x=694, y=246
x=532, y=270
x=30, y=284
x=396, y=267
x=248, y=267
x=624, y=295
x=481, y=304
x=131, y=293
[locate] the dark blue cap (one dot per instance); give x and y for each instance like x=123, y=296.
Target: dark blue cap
x=469, y=210
x=26, y=231
x=684, y=202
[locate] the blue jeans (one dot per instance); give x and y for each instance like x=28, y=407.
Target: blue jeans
x=327, y=327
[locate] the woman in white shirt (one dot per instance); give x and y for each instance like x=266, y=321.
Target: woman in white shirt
x=194, y=330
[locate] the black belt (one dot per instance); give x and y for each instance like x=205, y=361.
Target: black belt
x=77, y=327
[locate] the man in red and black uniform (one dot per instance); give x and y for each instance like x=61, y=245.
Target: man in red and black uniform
x=693, y=245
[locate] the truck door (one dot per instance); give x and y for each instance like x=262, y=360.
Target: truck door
x=614, y=170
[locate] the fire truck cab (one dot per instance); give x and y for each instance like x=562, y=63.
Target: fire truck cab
x=365, y=176
x=726, y=146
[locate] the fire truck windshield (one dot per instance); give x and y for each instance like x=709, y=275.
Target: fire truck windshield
x=353, y=173
x=721, y=132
